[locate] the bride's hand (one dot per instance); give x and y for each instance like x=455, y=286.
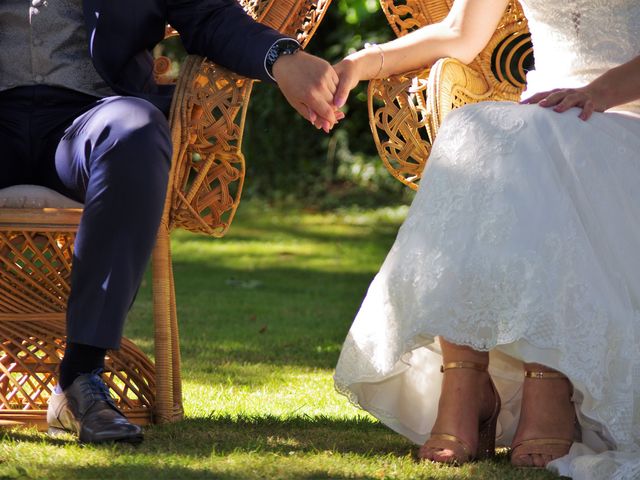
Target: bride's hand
x=562, y=99
x=349, y=76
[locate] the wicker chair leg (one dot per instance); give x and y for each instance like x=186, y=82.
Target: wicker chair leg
x=178, y=410
x=162, y=319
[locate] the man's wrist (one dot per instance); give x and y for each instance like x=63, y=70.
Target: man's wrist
x=281, y=48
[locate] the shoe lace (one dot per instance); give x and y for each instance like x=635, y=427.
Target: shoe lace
x=97, y=388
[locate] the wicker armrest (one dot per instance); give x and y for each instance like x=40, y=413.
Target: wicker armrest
x=406, y=111
x=208, y=168
x=453, y=84
x=207, y=120
x=400, y=124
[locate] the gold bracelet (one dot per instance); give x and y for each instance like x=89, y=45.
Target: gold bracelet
x=369, y=45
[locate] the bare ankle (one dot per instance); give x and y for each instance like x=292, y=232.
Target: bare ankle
x=452, y=352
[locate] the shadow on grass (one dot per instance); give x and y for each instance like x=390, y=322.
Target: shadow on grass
x=222, y=434
x=302, y=447
x=282, y=309
x=137, y=472
x=253, y=218
x=358, y=234
x=270, y=441
x=169, y=472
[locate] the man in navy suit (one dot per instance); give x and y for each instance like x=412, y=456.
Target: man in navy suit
x=80, y=113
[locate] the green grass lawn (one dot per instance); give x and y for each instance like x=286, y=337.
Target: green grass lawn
x=263, y=313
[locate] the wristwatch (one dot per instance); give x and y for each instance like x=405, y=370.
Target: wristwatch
x=284, y=46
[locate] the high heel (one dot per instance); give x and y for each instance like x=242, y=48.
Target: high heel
x=463, y=452
x=549, y=446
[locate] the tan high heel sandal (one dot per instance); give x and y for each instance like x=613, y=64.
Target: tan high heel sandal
x=463, y=452
x=553, y=447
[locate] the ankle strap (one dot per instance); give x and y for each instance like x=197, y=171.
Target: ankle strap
x=542, y=375
x=481, y=367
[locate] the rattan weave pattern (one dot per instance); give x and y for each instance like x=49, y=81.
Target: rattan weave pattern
x=35, y=268
x=296, y=18
x=208, y=120
x=31, y=352
x=404, y=16
x=400, y=126
x=405, y=111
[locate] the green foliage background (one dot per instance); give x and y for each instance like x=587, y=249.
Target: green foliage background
x=288, y=159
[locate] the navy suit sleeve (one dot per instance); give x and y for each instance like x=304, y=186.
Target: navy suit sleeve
x=223, y=32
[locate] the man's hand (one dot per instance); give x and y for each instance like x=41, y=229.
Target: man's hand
x=309, y=84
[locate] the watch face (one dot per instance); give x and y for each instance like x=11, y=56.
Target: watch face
x=289, y=45
x=286, y=48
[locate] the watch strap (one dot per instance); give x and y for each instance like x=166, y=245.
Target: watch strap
x=283, y=46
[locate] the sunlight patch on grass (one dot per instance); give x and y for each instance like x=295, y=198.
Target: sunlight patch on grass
x=275, y=254
x=337, y=242
x=285, y=391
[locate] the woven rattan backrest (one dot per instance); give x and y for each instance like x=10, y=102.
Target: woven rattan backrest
x=505, y=59
x=296, y=18
x=208, y=117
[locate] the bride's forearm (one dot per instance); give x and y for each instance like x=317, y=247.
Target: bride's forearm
x=619, y=85
x=417, y=49
x=464, y=32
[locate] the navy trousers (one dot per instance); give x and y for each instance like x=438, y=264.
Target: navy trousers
x=111, y=154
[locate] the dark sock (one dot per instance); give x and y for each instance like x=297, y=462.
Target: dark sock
x=78, y=360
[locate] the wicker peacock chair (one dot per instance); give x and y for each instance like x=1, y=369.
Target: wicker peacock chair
x=406, y=111
x=36, y=241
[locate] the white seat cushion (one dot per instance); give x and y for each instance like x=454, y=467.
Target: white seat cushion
x=34, y=196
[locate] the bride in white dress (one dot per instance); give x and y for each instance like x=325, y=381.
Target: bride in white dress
x=523, y=241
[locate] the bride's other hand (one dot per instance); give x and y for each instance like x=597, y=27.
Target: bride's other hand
x=615, y=87
x=562, y=99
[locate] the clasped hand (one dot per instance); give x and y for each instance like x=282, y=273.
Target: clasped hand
x=314, y=88
x=309, y=84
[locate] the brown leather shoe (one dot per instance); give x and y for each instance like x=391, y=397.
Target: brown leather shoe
x=86, y=409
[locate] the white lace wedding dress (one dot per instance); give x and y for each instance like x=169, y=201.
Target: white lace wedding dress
x=524, y=240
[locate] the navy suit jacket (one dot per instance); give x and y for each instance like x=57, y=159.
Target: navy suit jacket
x=123, y=33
